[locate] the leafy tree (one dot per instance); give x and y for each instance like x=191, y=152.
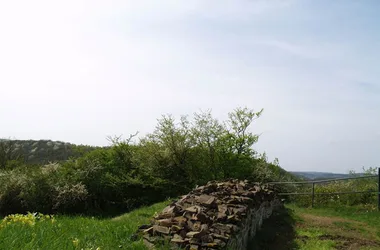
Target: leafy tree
x=238, y=123
x=9, y=153
x=206, y=133
x=235, y=144
x=170, y=146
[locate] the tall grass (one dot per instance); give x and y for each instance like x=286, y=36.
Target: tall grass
x=75, y=232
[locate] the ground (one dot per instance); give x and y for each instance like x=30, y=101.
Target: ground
x=323, y=228
x=290, y=228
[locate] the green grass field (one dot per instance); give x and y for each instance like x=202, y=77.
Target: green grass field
x=292, y=228
x=78, y=232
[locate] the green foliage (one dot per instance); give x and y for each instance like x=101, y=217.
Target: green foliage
x=70, y=198
x=170, y=161
x=302, y=228
x=9, y=154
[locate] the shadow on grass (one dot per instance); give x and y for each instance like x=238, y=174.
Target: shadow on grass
x=277, y=232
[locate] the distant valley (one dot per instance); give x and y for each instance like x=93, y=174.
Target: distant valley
x=317, y=175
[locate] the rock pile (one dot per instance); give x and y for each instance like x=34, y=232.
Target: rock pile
x=210, y=216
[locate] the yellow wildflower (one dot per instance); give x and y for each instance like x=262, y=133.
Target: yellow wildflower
x=24, y=219
x=76, y=242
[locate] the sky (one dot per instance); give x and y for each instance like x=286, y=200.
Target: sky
x=81, y=70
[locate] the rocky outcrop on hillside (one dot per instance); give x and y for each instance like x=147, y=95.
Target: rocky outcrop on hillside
x=219, y=215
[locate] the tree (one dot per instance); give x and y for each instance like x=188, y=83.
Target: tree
x=206, y=132
x=238, y=123
x=234, y=145
x=9, y=153
x=170, y=145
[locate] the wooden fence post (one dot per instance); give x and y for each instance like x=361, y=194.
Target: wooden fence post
x=378, y=194
x=312, y=196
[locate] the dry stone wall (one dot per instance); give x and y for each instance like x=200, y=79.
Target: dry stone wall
x=219, y=215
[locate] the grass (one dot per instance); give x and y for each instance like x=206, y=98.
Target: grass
x=290, y=228
x=321, y=228
x=347, y=227
x=78, y=232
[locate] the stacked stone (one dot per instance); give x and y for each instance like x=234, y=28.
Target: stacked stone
x=208, y=217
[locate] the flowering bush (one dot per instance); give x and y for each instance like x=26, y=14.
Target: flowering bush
x=25, y=219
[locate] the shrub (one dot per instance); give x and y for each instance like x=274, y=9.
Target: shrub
x=11, y=186
x=70, y=198
x=25, y=190
x=172, y=160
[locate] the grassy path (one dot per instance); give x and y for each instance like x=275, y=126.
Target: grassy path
x=319, y=229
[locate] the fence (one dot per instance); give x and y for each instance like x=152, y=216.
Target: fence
x=313, y=183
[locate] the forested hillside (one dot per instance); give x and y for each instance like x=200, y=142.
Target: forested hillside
x=39, y=151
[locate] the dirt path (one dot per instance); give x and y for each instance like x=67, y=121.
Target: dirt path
x=347, y=234
x=301, y=230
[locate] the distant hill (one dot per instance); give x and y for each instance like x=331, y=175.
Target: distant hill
x=318, y=175
x=45, y=151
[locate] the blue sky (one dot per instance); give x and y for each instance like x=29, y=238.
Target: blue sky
x=81, y=70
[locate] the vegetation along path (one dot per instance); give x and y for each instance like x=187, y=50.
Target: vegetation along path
x=292, y=228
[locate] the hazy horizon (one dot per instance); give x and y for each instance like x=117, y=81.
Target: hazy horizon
x=79, y=71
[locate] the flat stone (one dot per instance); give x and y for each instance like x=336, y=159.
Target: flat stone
x=180, y=221
x=202, y=217
x=220, y=243
x=220, y=237
x=194, y=247
x=210, y=244
x=205, y=228
x=178, y=240
x=148, y=244
x=192, y=234
x=149, y=238
x=237, y=209
x=182, y=233
x=148, y=230
x=222, y=227
x=164, y=216
x=207, y=238
x=193, y=209
x=188, y=216
x=175, y=228
x=165, y=222
x=160, y=229
x=168, y=210
x=194, y=241
x=196, y=226
x=206, y=199
x=222, y=212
